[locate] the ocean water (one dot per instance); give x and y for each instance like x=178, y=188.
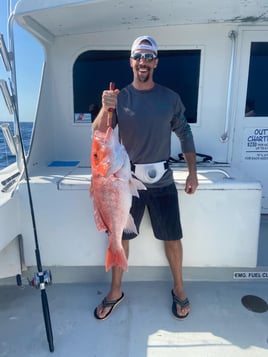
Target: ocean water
x=6, y=158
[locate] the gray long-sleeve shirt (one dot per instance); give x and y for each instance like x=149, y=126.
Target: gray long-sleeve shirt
x=146, y=120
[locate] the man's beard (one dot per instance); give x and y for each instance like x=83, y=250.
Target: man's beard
x=141, y=77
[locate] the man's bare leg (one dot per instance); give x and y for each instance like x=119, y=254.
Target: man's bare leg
x=115, y=291
x=174, y=254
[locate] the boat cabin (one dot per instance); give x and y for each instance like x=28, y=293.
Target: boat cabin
x=215, y=57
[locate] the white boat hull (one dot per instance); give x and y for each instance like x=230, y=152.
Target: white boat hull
x=216, y=234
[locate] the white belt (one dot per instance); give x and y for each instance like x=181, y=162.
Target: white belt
x=150, y=173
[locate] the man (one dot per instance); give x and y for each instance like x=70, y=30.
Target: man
x=146, y=114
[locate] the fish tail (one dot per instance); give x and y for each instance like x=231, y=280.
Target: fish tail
x=116, y=258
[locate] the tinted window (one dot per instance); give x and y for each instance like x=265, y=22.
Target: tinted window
x=256, y=102
x=94, y=70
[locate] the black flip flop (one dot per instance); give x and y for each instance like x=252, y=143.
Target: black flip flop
x=106, y=303
x=183, y=304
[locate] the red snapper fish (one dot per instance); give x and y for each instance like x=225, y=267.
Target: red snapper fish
x=112, y=188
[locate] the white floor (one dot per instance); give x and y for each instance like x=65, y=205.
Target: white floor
x=142, y=325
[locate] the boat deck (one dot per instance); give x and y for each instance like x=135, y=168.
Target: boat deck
x=142, y=325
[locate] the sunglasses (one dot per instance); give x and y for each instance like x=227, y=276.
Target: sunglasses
x=147, y=57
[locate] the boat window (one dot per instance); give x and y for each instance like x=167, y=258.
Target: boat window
x=256, y=100
x=94, y=70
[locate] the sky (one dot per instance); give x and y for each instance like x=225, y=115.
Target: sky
x=29, y=57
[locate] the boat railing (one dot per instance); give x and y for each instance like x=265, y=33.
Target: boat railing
x=221, y=171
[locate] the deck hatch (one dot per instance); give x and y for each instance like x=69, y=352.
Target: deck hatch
x=254, y=303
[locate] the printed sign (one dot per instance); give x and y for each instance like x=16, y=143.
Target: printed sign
x=255, y=144
x=82, y=118
x=250, y=275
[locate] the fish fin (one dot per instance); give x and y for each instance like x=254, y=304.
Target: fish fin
x=135, y=185
x=113, y=177
x=130, y=226
x=91, y=190
x=101, y=226
x=116, y=258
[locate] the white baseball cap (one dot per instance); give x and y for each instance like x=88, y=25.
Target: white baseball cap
x=138, y=45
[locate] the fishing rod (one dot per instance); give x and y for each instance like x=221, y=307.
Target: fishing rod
x=41, y=278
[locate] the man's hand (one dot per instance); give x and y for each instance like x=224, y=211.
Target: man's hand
x=191, y=183
x=109, y=99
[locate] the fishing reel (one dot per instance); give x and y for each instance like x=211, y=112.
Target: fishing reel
x=44, y=277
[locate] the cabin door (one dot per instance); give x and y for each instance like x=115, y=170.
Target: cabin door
x=250, y=146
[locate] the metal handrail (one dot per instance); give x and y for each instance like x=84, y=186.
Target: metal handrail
x=225, y=173
x=225, y=136
x=207, y=171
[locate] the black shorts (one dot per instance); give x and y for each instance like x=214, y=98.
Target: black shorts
x=163, y=208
